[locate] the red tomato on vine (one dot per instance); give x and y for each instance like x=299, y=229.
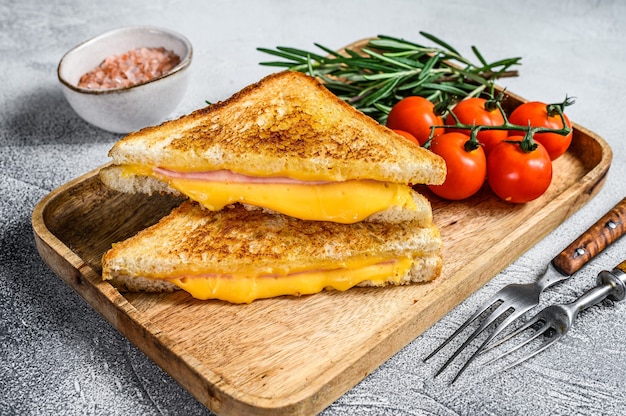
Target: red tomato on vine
x=536, y=114
x=517, y=175
x=465, y=163
x=415, y=115
x=478, y=111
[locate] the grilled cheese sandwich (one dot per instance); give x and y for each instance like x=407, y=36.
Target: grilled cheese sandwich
x=238, y=255
x=286, y=144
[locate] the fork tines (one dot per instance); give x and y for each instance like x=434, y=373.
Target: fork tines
x=539, y=324
x=500, y=311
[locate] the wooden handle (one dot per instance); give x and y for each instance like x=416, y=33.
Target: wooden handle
x=600, y=235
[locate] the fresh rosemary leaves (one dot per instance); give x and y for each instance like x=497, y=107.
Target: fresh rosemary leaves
x=375, y=76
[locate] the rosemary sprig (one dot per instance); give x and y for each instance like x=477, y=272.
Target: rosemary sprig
x=387, y=69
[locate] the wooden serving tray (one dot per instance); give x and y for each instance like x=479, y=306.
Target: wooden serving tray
x=292, y=355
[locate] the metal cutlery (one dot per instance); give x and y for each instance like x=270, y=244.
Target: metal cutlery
x=520, y=298
x=554, y=321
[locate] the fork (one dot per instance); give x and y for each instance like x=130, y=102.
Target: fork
x=556, y=320
x=520, y=298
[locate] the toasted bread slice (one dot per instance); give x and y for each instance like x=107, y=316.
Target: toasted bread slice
x=286, y=125
x=242, y=249
x=330, y=162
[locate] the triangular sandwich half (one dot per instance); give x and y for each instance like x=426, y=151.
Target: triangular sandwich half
x=285, y=144
x=240, y=255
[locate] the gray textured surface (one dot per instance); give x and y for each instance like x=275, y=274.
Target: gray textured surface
x=58, y=356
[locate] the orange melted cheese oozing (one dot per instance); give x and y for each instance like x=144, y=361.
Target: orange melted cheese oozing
x=245, y=288
x=343, y=202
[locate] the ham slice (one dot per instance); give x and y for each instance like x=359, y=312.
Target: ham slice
x=227, y=176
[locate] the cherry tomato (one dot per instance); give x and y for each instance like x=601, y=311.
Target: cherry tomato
x=517, y=176
x=415, y=115
x=407, y=135
x=536, y=114
x=472, y=111
x=466, y=169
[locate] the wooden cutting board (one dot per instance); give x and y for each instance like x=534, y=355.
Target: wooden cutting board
x=293, y=355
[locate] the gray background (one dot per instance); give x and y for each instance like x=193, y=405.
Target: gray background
x=58, y=356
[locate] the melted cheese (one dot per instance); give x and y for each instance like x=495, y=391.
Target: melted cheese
x=343, y=202
x=245, y=288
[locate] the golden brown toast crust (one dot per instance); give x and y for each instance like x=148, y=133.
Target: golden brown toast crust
x=236, y=239
x=287, y=124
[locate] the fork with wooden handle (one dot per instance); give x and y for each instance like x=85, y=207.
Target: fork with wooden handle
x=556, y=320
x=519, y=298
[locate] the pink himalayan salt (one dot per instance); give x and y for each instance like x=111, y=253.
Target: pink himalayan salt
x=130, y=68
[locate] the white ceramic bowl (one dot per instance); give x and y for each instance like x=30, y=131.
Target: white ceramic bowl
x=125, y=109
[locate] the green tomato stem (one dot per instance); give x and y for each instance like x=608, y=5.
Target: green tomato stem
x=529, y=131
x=473, y=143
x=528, y=144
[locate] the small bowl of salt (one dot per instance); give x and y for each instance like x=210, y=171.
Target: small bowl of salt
x=127, y=78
